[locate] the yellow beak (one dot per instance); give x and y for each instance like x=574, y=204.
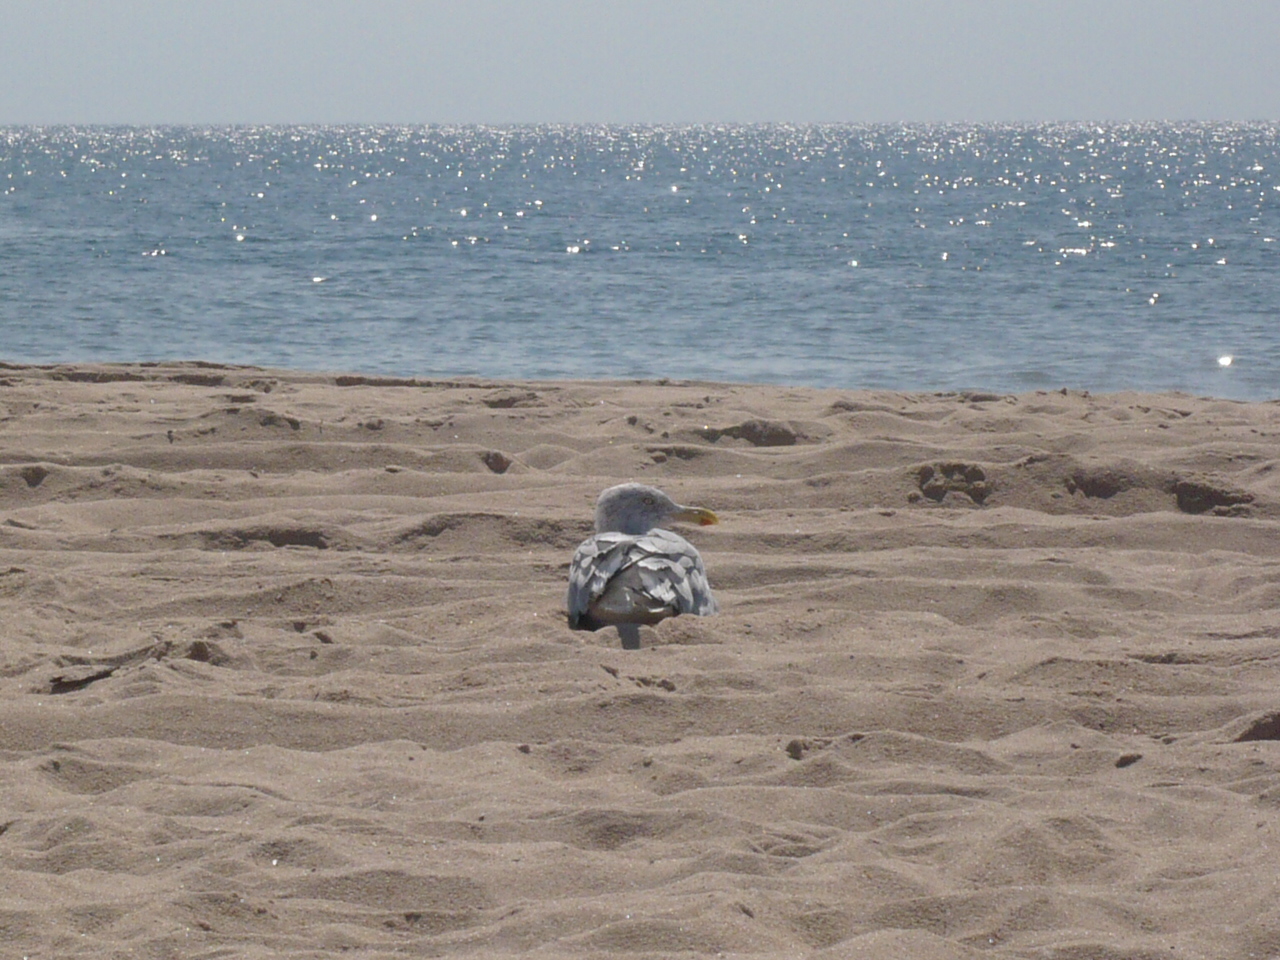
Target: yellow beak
x=702, y=517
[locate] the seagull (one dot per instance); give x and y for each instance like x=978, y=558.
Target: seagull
x=632, y=571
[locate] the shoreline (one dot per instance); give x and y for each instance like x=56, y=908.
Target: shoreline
x=144, y=370
x=285, y=668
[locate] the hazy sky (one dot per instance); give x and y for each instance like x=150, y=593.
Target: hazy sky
x=500, y=61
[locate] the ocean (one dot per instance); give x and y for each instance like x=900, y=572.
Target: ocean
x=1000, y=258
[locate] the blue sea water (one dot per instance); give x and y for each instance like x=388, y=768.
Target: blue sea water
x=912, y=257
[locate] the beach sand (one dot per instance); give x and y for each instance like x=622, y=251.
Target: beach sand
x=284, y=671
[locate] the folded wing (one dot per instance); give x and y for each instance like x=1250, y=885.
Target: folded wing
x=616, y=578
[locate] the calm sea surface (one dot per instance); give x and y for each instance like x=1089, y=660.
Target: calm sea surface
x=1005, y=258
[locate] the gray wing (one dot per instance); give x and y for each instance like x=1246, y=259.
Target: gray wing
x=616, y=578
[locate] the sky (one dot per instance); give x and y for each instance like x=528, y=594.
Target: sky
x=640, y=61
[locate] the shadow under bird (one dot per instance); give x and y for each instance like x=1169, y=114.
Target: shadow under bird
x=633, y=572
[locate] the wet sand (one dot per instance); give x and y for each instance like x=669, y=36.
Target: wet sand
x=284, y=671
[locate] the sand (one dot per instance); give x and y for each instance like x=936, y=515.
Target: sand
x=284, y=671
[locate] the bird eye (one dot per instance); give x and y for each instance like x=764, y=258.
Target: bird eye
x=648, y=501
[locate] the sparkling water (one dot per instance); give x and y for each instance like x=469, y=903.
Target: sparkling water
x=913, y=257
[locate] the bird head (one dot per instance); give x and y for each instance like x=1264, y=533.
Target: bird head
x=635, y=509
